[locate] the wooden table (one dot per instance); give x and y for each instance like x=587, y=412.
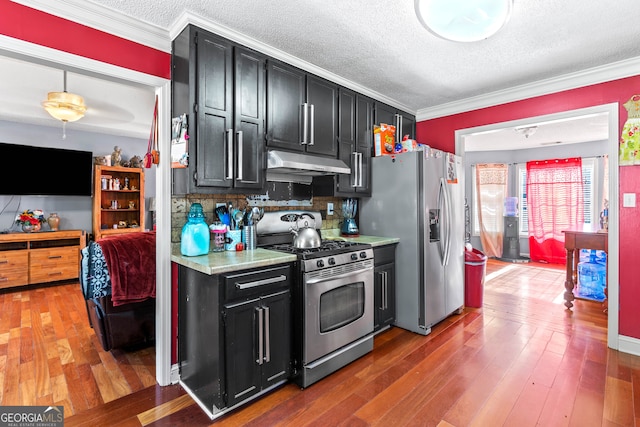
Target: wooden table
x=586, y=237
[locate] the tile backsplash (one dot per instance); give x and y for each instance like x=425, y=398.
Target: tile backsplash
x=180, y=208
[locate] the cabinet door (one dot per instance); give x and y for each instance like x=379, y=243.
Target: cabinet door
x=322, y=98
x=408, y=126
x=277, y=338
x=347, y=141
x=214, y=141
x=241, y=334
x=355, y=136
x=285, y=98
x=385, y=114
x=249, y=119
x=384, y=295
x=392, y=116
x=364, y=140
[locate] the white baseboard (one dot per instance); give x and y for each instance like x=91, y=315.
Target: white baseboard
x=629, y=345
x=174, y=376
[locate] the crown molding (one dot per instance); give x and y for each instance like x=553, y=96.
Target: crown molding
x=104, y=19
x=590, y=76
x=188, y=18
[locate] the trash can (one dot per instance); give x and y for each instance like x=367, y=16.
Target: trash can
x=475, y=266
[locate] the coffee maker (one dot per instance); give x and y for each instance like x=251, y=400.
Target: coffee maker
x=349, y=227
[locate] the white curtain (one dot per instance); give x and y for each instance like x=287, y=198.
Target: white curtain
x=491, y=190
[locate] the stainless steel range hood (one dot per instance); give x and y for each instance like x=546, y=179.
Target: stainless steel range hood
x=284, y=166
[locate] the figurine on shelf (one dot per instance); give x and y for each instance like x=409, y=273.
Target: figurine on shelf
x=116, y=156
x=135, y=162
x=132, y=204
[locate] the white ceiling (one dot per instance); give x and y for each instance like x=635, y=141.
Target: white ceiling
x=375, y=45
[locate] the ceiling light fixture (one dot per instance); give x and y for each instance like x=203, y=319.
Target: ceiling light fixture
x=463, y=20
x=64, y=106
x=526, y=131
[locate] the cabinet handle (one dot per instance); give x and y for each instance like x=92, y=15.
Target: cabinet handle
x=259, y=314
x=305, y=123
x=312, y=126
x=229, y=154
x=360, y=170
x=55, y=256
x=386, y=290
x=398, y=127
x=4, y=279
x=267, y=340
x=239, y=151
x=354, y=176
x=4, y=261
x=267, y=281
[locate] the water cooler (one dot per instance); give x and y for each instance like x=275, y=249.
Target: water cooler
x=592, y=275
x=511, y=235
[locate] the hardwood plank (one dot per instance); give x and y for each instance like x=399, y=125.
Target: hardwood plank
x=618, y=402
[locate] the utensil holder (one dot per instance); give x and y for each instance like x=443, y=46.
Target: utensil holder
x=233, y=237
x=249, y=237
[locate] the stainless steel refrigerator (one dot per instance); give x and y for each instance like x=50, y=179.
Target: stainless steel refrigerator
x=419, y=198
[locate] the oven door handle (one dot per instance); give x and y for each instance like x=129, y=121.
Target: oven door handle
x=337, y=276
x=267, y=281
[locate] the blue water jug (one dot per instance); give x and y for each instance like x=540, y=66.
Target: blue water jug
x=195, y=233
x=592, y=277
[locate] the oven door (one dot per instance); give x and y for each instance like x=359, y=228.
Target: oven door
x=338, y=309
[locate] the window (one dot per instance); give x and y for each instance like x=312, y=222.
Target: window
x=589, y=179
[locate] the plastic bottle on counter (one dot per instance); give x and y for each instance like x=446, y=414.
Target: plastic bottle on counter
x=195, y=233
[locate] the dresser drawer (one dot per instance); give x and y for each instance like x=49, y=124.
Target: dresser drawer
x=47, y=265
x=14, y=270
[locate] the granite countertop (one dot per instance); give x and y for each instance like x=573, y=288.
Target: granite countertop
x=224, y=262
x=334, y=234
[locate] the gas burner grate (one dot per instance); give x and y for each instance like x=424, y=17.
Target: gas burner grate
x=326, y=246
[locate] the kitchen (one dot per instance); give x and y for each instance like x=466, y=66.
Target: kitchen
x=443, y=142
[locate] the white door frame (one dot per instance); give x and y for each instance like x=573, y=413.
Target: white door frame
x=611, y=109
x=39, y=54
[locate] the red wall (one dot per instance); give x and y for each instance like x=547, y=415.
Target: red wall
x=440, y=133
x=31, y=25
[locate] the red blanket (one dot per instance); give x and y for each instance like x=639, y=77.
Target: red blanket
x=131, y=260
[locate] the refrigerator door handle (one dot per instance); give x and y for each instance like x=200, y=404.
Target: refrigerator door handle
x=447, y=202
x=441, y=206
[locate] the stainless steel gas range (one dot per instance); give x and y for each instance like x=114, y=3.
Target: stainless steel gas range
x=332, y=298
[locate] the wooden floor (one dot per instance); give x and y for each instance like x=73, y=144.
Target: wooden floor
x=520, y=360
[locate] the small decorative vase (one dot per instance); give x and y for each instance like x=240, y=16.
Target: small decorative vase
x=53, y=221
x=30, y=228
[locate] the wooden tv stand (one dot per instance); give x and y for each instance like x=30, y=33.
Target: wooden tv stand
x=47, y=256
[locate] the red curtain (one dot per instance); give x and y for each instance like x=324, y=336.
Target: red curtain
x=555, y=202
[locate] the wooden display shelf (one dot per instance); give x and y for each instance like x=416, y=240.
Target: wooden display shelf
x=105, y=217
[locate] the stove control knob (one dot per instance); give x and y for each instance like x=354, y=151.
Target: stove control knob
x=320, y=263
x=363, y=254
x=332, y=261
x=354, y=257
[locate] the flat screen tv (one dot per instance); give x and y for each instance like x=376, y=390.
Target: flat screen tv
x=42, y=171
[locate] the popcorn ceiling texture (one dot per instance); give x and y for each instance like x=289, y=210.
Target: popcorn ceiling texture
x=381, y=46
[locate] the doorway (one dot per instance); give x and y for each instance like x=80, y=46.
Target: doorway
x=609, y=112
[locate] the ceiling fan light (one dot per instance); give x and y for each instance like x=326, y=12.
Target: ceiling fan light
x=463, y=20
x=65, y=106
